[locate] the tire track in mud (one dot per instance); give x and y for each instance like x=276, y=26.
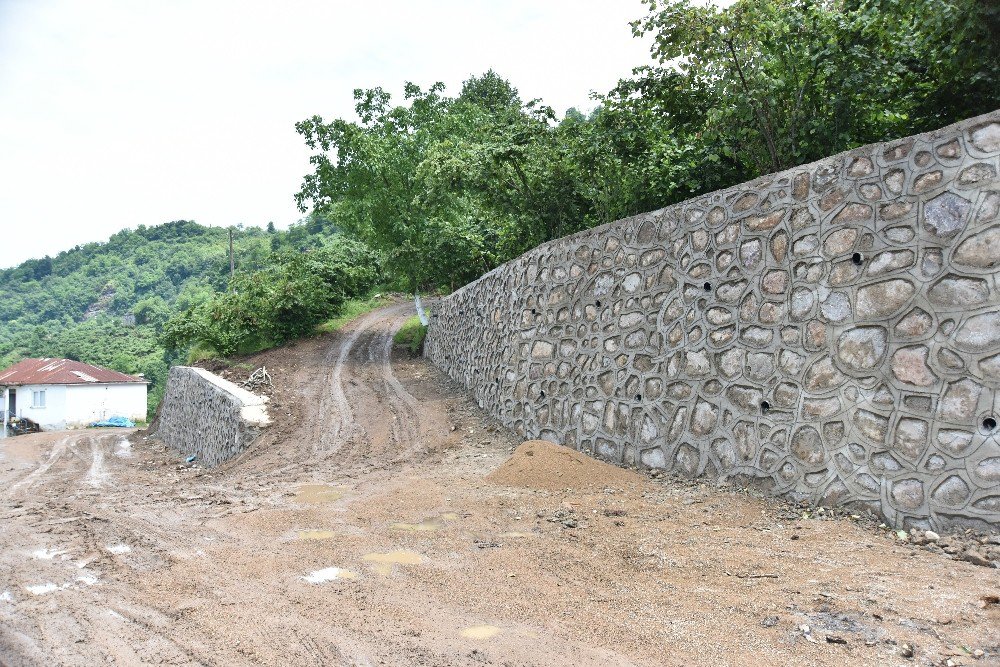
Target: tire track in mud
x=403, y=405
x=357, y=372
x=69, y=450
x=81, y=461
x=97, y=474
x=313, y=440
x=389, y=432
x=343, y=424
x=35, y=475
x=76, y=507
x=371, y=374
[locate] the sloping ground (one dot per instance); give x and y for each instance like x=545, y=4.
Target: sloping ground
x=382, y=520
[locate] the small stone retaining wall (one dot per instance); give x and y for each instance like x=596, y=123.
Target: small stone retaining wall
x=208, y=417
x=831, y=332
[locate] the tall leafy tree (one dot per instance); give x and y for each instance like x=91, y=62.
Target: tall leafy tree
x=774, y=83
x=368, y=178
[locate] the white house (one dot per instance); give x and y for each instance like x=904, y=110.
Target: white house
x=61, y=393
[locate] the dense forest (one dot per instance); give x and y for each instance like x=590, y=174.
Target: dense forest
x=431, y=192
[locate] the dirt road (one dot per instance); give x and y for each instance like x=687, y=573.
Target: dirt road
x=363, y=529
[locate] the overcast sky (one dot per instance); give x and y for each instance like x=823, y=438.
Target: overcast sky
x=116, y=113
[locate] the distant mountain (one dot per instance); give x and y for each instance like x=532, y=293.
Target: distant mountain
x=104, y=303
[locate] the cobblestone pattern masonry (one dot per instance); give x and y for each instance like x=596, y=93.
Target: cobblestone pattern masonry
x=208, y=417
x=831, y=332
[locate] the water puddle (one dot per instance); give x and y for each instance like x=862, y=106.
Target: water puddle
x=383, y=562
x=119, y=549
x=124, y=449
x=329, y=574
x=87, y=579
x=481, y=632
x=42, y=589
x=426, y=526
x=47, y=554
x=315, y=534
x=6, y=597
x=310, y=494
x=422, y=527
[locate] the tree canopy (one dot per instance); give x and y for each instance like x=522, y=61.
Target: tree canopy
x=450, y=187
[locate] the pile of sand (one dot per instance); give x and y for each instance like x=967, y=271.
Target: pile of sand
x=539, y=464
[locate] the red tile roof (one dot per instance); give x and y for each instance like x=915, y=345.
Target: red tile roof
x=60, y=371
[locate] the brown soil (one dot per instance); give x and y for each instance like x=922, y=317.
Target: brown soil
x=539, y=464
x=365, y=528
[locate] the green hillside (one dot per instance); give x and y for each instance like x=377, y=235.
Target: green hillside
x=107, y=303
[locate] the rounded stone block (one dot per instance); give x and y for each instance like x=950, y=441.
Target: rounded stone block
x=908, y=494
x=862, y=348
x=807, y=446
x=986, y=137
x=883, y=299
x=979, y=333
x=953, y=492
x=909, y=365
x=944, y=216
x=959, y=292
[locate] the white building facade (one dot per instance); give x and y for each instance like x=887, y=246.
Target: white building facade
x=61, y=393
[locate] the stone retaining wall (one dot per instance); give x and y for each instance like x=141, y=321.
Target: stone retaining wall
x=208, y=417
x=831, y=332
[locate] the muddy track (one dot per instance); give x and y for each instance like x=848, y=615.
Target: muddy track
x=359, y=530
x=350, y=384
x=366, y=420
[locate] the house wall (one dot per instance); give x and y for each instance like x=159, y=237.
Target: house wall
x=77, y=406
x=53, y=416
x=88, y=403
x=831, y=332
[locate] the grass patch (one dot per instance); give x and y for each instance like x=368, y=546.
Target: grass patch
x=201, y=352
x=352, y=309
x=411, y=335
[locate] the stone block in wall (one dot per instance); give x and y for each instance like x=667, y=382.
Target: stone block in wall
x=831, y=331
x=206, y=416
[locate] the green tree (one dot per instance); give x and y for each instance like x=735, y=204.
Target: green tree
x=367, y=178
x=447, y=188
x=774, y=83
x=285, y=299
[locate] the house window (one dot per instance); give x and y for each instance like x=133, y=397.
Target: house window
x=38, y=398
